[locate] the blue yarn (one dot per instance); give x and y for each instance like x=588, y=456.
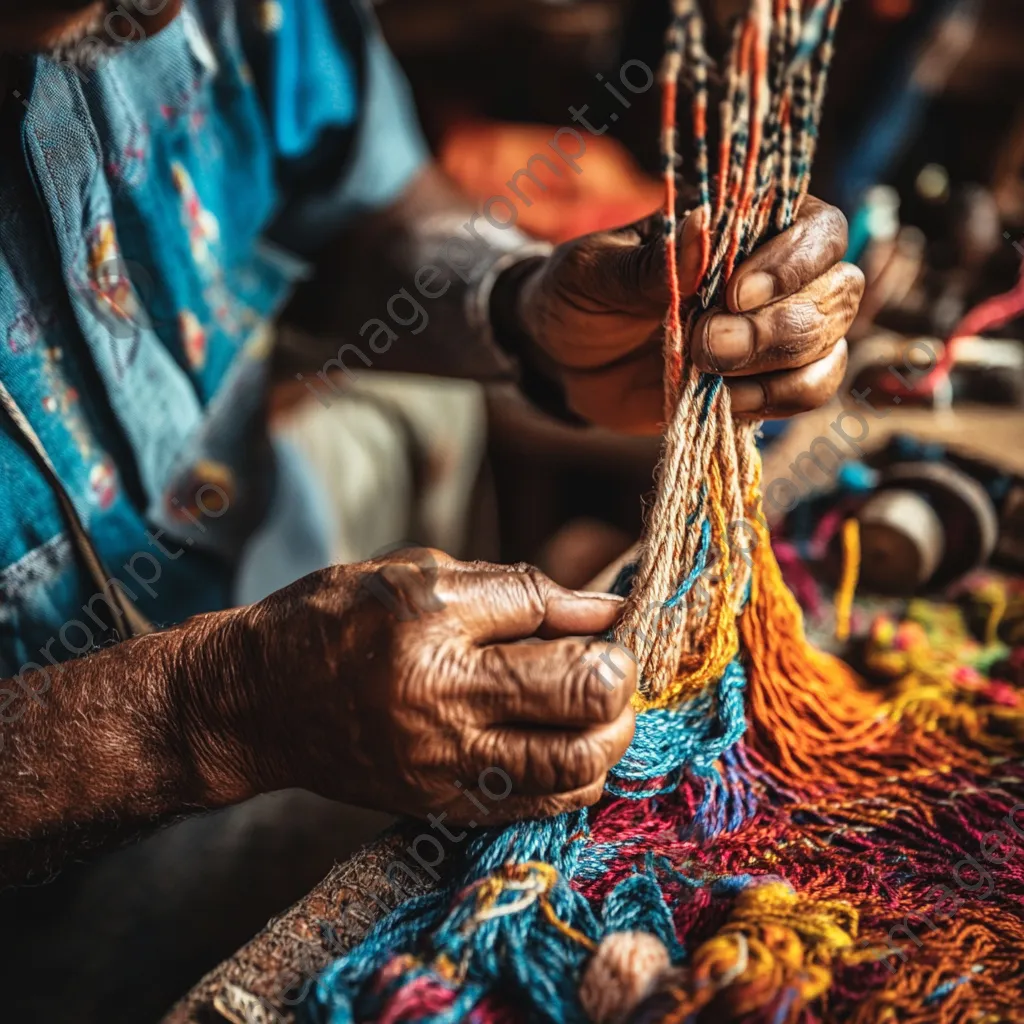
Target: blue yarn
x=781, y=1014
x=701, y=496
x=810, y=37
x=736, y=884
x=692, y=735
x=943, y=990
x=698, y=569
x=711, y=384
x=637, y=904
x=670, y=785
x=856, y=478
x=742, y=797
x=521, y=952
x=598, y=857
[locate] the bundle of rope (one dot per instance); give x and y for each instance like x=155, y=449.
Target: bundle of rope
x=776, y=816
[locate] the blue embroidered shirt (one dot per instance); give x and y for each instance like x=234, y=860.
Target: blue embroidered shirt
x=155, y=213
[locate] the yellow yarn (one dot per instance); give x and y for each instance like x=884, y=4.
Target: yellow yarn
x=848, y=584
x=774, y=940
x=534, y=880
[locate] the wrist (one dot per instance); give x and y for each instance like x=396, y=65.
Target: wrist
x=214, y=706
x=515, y=323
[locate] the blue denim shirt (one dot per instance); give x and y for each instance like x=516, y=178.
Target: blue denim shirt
x=155, y=213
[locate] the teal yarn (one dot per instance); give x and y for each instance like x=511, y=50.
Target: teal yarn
x=519, y=951
x=694, y=735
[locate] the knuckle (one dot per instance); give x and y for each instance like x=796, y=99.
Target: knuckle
x=585, y=797
x=433, y=672
x=853, y=288
x=494, y=664
x=801, y=322
x=814, y=397
x=790, y=274
x=628, y=733
x=804, y=396
x=515, y=587
x=818, y=241
x=822, y=388
x=554, y=763
x=584, y=759
x=825, y=221
x=790, y=332
x=842, y=358
x=537, y=580
x=611, y=673
x=508, y=686
x=537, y=587
x=854, y=277
x=596, y=701
x=833, y=224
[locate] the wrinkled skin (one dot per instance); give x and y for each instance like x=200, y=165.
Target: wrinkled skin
x=382, y=683
x=596, y=308
x=387, y=701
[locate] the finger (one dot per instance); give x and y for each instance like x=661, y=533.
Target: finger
x=522, y=602
x=568, y=684
x=520, y=808
x=779, y=395
x=405, y=581
x=546, y=762
x=783, y=266
x=785, y=335
x=629, y=269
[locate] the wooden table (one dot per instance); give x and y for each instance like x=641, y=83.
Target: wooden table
x=254, y=986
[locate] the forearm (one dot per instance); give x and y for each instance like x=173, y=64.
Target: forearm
x=408, y=289
x=97, y=749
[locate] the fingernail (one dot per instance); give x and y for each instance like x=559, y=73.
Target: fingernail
x=693, y=223
x=747, y=397
x=690, y=251
x=729, y=342
x=599, y=595
x=754, y=291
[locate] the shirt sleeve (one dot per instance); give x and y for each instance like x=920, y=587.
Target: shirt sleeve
x=345, y=130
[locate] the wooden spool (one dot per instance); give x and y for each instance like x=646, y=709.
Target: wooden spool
x=927, y=524
x=902, y=542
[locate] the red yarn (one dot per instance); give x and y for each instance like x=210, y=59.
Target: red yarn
x=987, y=316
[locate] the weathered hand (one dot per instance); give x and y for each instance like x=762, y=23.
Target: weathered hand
x=596, y=307
x=393, y=683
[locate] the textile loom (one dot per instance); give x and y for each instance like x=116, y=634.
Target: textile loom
x=788, y=839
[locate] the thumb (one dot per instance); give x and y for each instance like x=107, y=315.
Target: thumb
x=691, y=261
x=508, y=603
x=637, y=266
